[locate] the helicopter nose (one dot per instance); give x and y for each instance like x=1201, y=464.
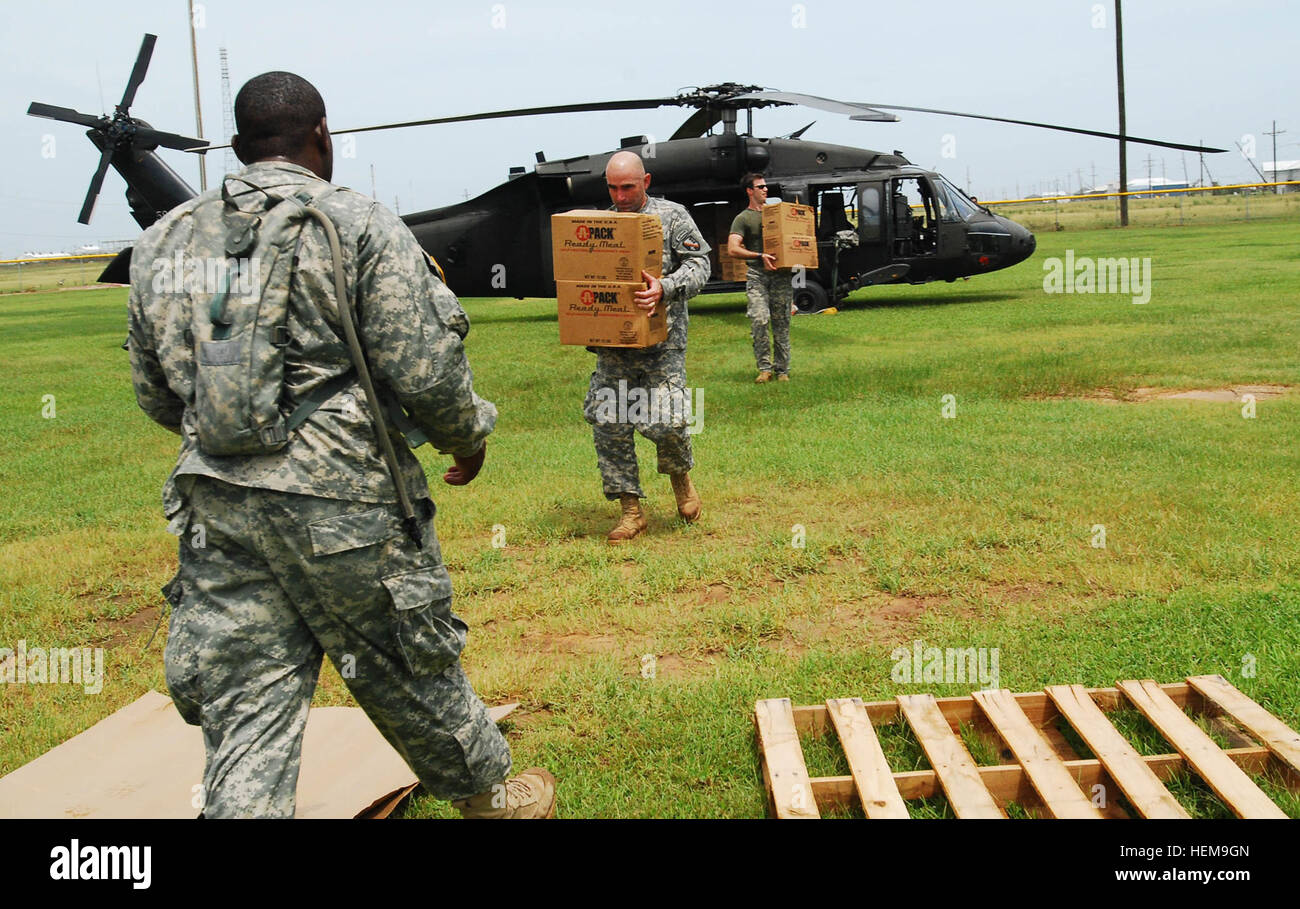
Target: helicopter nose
x=1023, y=243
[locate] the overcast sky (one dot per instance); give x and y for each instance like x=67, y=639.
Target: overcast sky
x=1194, y=70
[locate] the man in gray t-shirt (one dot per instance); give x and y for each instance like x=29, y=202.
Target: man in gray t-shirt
x=769, y=288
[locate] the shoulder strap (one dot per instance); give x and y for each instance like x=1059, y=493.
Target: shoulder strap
x=347, y=317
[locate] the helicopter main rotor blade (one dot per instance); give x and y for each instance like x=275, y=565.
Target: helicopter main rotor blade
x=853, y=110
x=149, y=136
x=640, y=104
x=65, y=114
x=698, y=123
x=138, y=71
x=1065, y=129
x=96, y=182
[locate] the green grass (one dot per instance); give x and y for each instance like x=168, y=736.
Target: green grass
x=1166, y=210
x=50, y=274
x=965, y=532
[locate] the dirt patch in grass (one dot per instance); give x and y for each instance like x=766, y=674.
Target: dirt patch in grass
x=716, y=593
x=839, y=624
x=125, y=630
x=524, y=717
x=678, y=666
x=862, y=623
x=907, y=610
x=572, y=642
x=1020, y=593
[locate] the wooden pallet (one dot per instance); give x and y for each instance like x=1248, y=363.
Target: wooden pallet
x=1048, y=777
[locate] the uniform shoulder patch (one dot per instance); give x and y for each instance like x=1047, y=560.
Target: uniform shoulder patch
x=691, y=244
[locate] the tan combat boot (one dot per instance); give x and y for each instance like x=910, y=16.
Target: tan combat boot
x=763, y=377
x=632, y=522
x=529, y=795
x=688, y=500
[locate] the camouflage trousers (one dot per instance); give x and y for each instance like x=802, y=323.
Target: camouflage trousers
x=269, y=581
x=638, y=391
x=770, y=297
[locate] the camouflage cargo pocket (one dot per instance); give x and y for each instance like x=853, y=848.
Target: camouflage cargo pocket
x=182, y=654
x=429, y=635
x=345, y=532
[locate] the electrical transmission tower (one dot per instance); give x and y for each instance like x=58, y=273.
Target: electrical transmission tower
x=231, y=164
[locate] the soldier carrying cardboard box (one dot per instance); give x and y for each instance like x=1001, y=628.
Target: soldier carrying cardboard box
x=770, y=289
x=657, y=372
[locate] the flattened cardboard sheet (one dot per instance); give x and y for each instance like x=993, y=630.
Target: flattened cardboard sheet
x=145, y=762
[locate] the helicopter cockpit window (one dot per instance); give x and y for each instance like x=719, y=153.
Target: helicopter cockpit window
x=964, y=206
x=947, y=212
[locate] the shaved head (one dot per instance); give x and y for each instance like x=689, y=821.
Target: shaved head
x=281, y=115
x=626, y=163
x=627, y=181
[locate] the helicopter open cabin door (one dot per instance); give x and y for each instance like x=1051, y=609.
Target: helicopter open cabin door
x=913, y=217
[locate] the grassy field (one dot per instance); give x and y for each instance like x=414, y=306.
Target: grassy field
x=638, y=667
x=51, y=274
x=1163, y=210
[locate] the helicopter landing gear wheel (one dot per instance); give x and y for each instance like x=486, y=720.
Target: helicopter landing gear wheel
x=812, y=297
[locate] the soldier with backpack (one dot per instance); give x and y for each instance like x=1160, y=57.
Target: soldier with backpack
x=287, y=329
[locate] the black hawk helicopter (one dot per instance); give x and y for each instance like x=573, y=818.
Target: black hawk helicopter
x=879, y=218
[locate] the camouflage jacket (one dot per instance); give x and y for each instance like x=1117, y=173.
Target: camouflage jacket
x=410, y=325
x=685, y=265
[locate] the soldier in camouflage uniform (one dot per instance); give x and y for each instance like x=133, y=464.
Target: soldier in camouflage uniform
x=770, y=289
x=289, y=555
x=659, y=371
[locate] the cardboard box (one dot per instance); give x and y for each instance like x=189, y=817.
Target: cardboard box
x=733, y=269
x=790, y=234
x=604, y=314
x=729, y=269
x=606, y=245
x=715, y=221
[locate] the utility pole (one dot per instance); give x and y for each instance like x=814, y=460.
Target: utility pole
x=1119, y=69
x=1249, y=161
x=1274, y=134
x=198, y=111
x=1205, y=167
x=373, y=194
